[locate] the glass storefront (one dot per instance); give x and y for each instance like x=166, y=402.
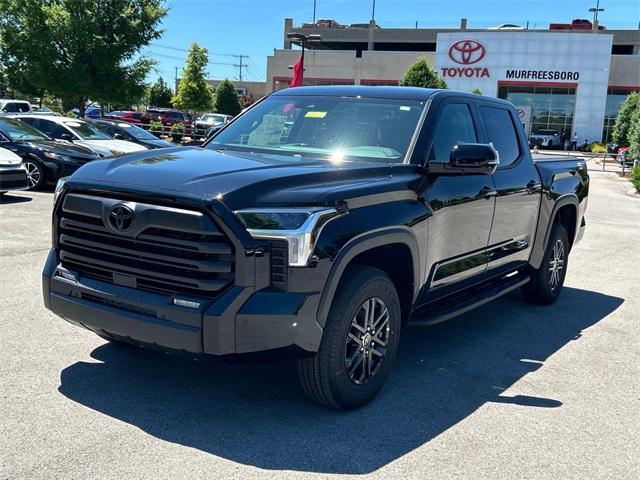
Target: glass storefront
x=551, y=107
x=615, y=99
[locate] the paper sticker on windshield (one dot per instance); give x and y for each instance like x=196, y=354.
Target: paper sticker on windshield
x=315, y=114
x=124, y=125
x=405, y=109
x=73, y=124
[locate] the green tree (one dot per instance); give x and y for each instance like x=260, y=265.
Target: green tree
x=160, y=94
x=622, y=127
x=79, y=49
x=227, y=99
x=194, y=93
x=477, y=91
x=420, y=74
x=634, y=135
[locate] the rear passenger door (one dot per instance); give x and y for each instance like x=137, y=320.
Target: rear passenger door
x=518, y=189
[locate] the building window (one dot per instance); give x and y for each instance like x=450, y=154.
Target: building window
x=615, y=99
x=551, y=107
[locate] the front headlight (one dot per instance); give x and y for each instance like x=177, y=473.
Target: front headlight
x=300, y=227
x=59, y=187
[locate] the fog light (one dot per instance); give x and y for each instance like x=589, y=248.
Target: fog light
x=180, y=302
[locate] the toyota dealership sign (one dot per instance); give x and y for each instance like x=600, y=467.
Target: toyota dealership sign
x=486, y=60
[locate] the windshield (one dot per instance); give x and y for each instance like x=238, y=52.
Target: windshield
x=86, y=131
x=332, y=128
x=137, y=132
x=211, y=118
x=18, y=131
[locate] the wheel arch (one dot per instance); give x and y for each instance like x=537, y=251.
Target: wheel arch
x=566, y=212
x=401, y=258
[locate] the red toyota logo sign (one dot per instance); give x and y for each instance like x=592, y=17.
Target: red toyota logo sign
x=467, y=52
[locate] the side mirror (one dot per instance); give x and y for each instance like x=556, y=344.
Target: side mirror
x=67, y=136
x=474, y=158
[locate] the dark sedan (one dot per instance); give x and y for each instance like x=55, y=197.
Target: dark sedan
x=130, y=133
x=44, y=159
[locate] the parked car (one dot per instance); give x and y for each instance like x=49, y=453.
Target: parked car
x=13, y=175
x=371, y=212
x=576, y=24
x=205, y=122
x=126, y=116
x=507, y=26
x=45, y=160
x=14, y=106
x=546, y=138
x=42, y=110
x=89, y=112
x=168, y=118
x=80, y=132
x=130, y=133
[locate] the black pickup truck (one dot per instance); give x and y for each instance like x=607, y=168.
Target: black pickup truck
x=316, y=225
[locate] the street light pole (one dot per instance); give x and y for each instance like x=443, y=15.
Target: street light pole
x=595, y=10
x=373, y=11
x=314, y=11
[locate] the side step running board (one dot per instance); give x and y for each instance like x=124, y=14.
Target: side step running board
x=448, y=308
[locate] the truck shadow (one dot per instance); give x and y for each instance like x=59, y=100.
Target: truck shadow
x=256, y=414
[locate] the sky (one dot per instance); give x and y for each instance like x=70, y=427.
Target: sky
x=255, y=27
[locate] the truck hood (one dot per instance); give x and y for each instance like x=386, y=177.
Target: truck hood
x=240, y=179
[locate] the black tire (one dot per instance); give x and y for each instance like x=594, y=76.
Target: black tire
x=546, y=282
x=35, y=173
x=325, y=377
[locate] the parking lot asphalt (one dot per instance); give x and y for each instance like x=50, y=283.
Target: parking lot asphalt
x=508, y=391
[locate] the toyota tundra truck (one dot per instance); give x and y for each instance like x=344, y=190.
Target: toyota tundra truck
x=315, y=226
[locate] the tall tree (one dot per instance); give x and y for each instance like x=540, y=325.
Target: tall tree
x=80, y=49
x=160, y=94
x=420, y=74
x=624, y=121
x=227, y=99
x=194, y=93
x=634, y=135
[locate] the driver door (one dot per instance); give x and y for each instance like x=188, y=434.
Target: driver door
x=462, y=204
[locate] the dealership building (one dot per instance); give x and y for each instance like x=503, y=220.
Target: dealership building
x=572, y=81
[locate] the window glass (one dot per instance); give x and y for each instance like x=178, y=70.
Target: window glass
x=501, y=133
x=85, y=131
x=455, y=125
x=19, y=131
x=325, y=127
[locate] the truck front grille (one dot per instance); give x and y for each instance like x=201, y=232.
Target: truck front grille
x=168, y=251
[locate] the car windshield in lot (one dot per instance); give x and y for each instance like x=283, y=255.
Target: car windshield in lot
x=325, y=127
x=546, y=132
x=212, y=118
x=136, y=132
x=86, y=131
x=21, y=132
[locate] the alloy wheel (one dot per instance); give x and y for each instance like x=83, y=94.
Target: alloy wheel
x=34, y=175
x=367, y=340
x=556, y=264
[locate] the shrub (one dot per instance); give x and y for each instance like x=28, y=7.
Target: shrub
x=156, y=127
x=598, y=147
x=177, y=132
x=635, y=178
x=420, y=74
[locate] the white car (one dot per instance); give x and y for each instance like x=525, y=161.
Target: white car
x=13, y=175
x=9, y=106
x=82, y=133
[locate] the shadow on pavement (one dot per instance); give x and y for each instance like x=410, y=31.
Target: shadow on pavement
x=256, y=414
x=8, y=199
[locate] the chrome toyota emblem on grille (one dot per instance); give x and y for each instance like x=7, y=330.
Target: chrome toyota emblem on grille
x=121, y=218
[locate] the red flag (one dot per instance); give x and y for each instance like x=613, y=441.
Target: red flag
x=298, y=73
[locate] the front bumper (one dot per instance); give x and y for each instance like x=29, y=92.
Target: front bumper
x=13, y=178
x=239, y=321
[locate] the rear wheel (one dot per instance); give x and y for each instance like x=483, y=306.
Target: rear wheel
x=359, y=344
x=546, y=282
x=35, y=173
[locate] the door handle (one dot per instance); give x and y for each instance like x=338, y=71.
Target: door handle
x=487, y=192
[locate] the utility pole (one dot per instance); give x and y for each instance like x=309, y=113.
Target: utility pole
x=240, y=64
x=314, y=11
x=175, y=80
x=373, y=11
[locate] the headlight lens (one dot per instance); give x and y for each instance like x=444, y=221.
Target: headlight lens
x=59, y=187
x=300, y=227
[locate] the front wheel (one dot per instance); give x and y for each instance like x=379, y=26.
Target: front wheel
x=359, y=345
x=546, y=282
x=35, y=174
